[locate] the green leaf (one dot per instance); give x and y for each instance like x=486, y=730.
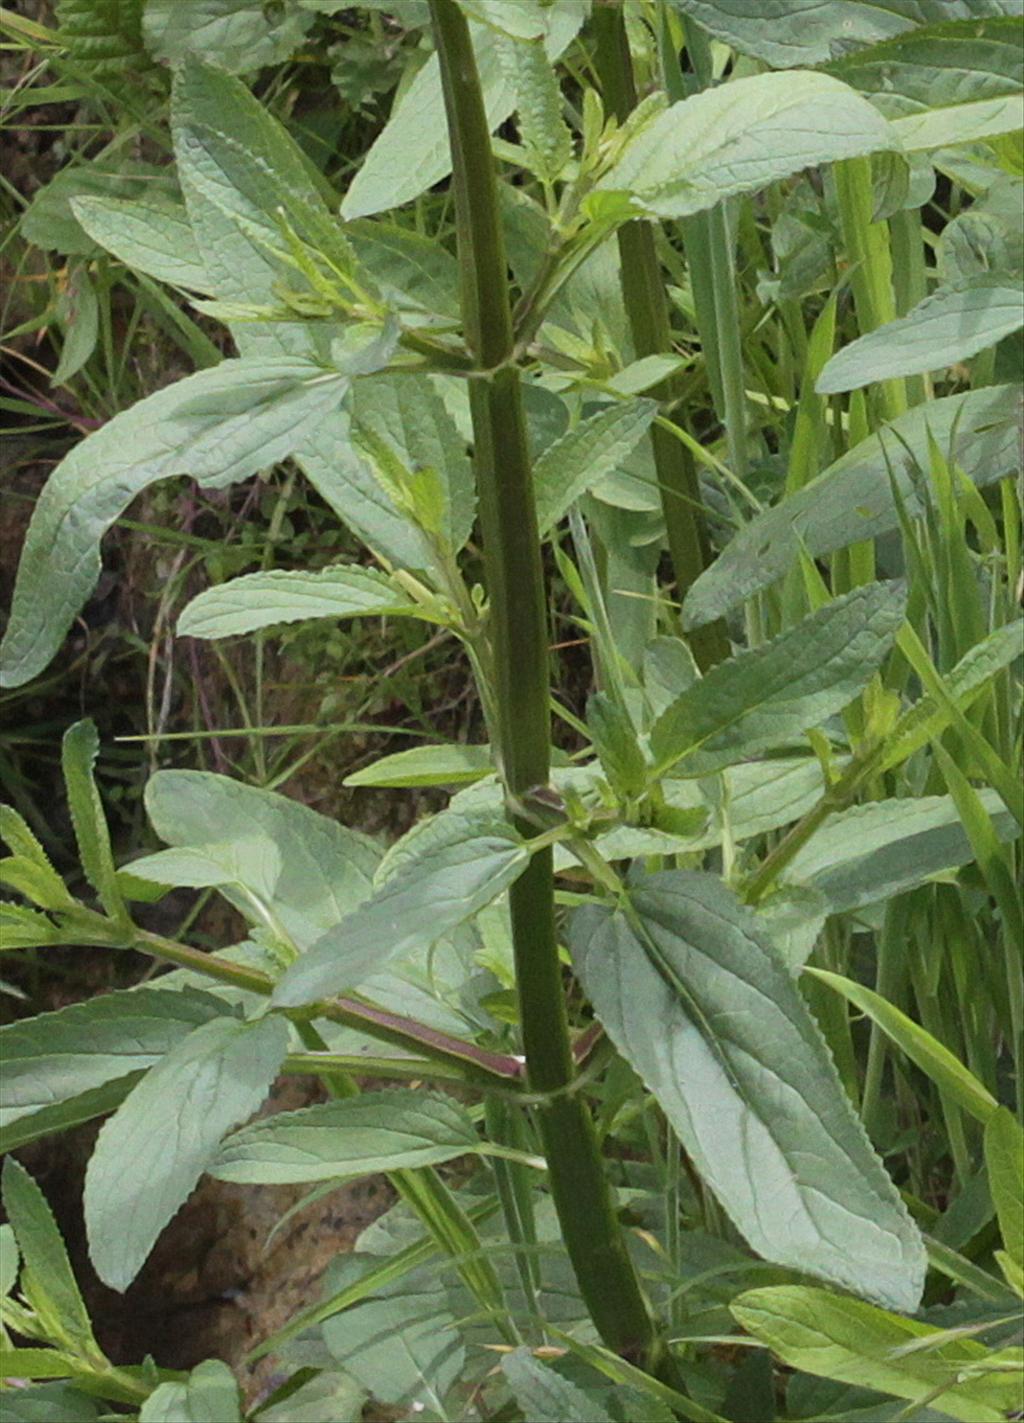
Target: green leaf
x=79, y=749
x=965, y=682
x=354, y=1136
x=856, y=1343
x=10, y=1261
x=62, y=1116
x=412, y=154
x=47, y=1281
x=56, y=1057
x=327, y=1398
x=538, y=101
x=408, y=267
x=771, y=694
x=951, y=325
x=49, y=1403
x=451, y=765
x=261, y=600
x=150, y=234
x=50, y=223
x=250, y=862
x=78, y=316
x=23, y=844
x=209, y=1395
x=24, y=928
x=616, y=744
x=546, y=1397
x=442, y=873
x=35, y=1364
x=692, y=993
x=102, y=38
x=874, y=851
x=585, y=455
x=413, y=422
x=239, y=35
x=853, y=499
x=960, y=123
x=152, y=1151
x=218, y=425
x=36, y=882
x=925, y=1051
x=1004, y=1160
x=742, y=136
x=325, y=870
x=402, y=1345
x=813, y=31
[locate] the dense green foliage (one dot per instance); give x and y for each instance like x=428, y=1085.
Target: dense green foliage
x=704, y=324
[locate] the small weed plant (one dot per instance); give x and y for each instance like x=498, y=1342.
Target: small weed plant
x=711, y=324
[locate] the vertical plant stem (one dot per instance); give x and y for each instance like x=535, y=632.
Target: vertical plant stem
x=647, y=309
x=869, y=255
x=590, y=1228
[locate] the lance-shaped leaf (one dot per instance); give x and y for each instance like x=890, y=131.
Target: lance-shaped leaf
x=260, y=600
x=323, y=869
x=1004, y=1161
x=772, y=694
x=853, y=499
x=151, y=234
x=951, y=325
x=585, y=455
x=874, y=851
x=412, y=153
x=218, y=426
x=58, y=1056
x=152, y=1151
x=79, y=750
x=379, y=1131
x=439, y=875
x=427, y=766
x=742, y=136
x=692, y=993
x=960, y=123
x=853, y=1342
x=47, y=1280
x=791, y=32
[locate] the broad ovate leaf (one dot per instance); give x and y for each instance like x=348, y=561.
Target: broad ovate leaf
x=324, y=870
x=442, y=873
x=356, y=1136
x=772, y=694
x=692, y=993
x=150, y=1154
x=261, y=600
x=853, y=499
x=854, y=1342
x=951, y=325
x=742, y=136
x=239, y=35
x=218, y=426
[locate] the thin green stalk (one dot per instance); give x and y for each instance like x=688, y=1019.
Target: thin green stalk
x=909, y=278
x=870, y=258
x=643, y=292
x=519, y=637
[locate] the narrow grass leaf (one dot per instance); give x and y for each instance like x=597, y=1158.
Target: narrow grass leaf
x=1004, y=1161
x=925, y=1051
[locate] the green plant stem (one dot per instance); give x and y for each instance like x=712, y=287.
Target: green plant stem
x=519, y=637
x=476, y=1064
x=643, y=292
x=870, y=257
